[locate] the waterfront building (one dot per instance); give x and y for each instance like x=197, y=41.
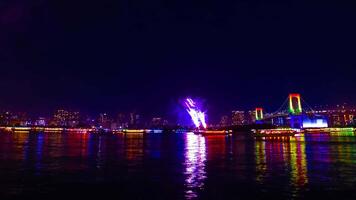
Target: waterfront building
x=339, y=116
x=66, y=118
x=156, y=122
x=122, y=120
x=225, y=121
x=251, y=117
x=104, y=121
x=41, y=121
x=135, y=120
x=238, y=118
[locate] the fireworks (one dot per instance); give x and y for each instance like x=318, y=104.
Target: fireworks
x=198, y=116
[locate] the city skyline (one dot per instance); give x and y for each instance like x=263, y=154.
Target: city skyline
x=198, y=116
x=170, y=111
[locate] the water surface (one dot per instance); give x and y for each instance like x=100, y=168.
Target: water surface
x=176, y=166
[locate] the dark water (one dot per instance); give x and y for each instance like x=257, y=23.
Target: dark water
x=177, y=166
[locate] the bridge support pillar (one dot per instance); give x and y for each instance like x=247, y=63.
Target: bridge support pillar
x=296, y=121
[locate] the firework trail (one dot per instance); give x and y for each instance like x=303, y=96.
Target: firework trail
x=198, y=117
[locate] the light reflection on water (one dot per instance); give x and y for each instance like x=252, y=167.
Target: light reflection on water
x=195, y=158
x=298, y=162
x=286, y=154
x=261, y=162
x=167, y=166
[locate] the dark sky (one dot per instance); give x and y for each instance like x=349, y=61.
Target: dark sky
x=113, y=55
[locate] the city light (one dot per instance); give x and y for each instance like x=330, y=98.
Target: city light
x=290, y=114
x=198, y=116
x=318, y=123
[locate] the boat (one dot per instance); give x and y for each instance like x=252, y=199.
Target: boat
x=276, y=132
x=133, y=131
x=212, y=132
x=153, y=131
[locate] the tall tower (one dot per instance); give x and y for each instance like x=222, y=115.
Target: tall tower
x=259, y=114
x=295, y=106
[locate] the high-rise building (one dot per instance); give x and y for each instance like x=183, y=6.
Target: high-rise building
x=238, y=118
x=341, y=115
x=41, y=121
x=5, y=118
x=66, y=118
x=156, y=122
x=122, y=121
x=104, y=121
x=225, y=121
x=250, y=117
x=135, y=120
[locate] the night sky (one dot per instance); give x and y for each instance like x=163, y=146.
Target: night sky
x=113, y=55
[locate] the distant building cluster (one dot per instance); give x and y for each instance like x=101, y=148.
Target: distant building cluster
x=8, y=118
x=73, y=119
x=237, y=118
x=65, y=118
x=339, y=116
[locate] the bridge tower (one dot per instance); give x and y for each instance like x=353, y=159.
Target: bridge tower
x=295, y=105
x=259, y=115
x=295, y=111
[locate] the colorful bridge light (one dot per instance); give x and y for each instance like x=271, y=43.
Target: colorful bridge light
x=295, y=106
x=259, y=113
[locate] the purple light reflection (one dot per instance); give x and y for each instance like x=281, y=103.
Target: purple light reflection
x=195, y=158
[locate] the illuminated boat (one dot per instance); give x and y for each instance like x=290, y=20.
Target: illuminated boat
x=21, y=128
x=153, y=131
x=133, y=131
x=53, y=130
x=181, y=131
x=79, y=130
x=212, y=132
x=344, y=131
x=276, y=132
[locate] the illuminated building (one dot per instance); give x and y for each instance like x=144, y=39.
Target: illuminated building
x=88, y=121
x=238, y=118
x=135, y=120
x=132, y=119
x=14, y=119
x=66, y=118
x=338, y=116
x=225, y=121
x=122, y=121
x=156, y=121
x=114, y=126
x=104, y=121
x=5, y=118
x=315, y=123
x=103, y=117
x=41, y=121
x=60, y=117
x=251, y=117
